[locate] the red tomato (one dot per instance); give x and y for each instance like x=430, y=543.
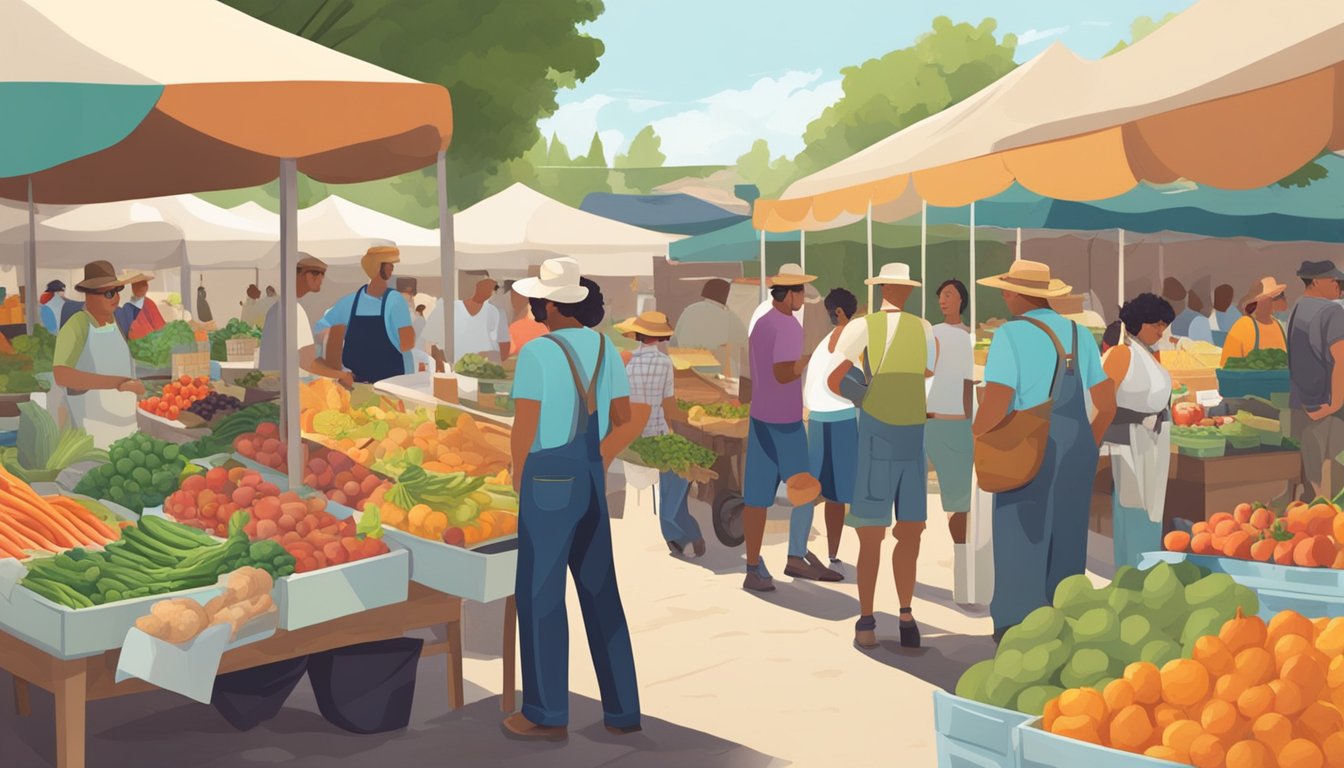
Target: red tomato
x=1187, y=414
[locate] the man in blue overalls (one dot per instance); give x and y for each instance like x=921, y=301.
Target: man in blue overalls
x=1040, y=529
x=570, y=390
x=371, y=332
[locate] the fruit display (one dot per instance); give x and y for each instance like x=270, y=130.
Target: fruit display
x=1089, y=636
x=1307, y=535
x=42, y=450
x=247, y=595
x=478, y=367
x=34, y=523
x=236, y=329
x=177, y=396
x=154, y=557
x=672, y=453
x=1249, y=695
x=456, y=509
x=39, y=346
x=340, y=479
x=302, y=527
x=156, y=349
x=215, y=404
x=730, y=410
x=1259, y=360
x=229, y=428
x=264, y=446
x=141, y=472
x=250, y=380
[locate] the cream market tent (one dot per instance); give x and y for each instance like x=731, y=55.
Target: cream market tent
x=520, y=226
x=331, y=231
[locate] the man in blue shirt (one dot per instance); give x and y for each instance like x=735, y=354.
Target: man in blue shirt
x=1040, y=529
x=371, y=332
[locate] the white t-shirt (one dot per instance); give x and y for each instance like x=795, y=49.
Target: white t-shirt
x=954, y=367
x=854, y=339
x=270, y=337
x=478, y=333
x=817, y=394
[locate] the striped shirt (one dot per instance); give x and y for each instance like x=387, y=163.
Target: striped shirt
x=650, y=374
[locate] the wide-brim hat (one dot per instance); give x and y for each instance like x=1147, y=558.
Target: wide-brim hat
x=1316, y=270
x=99, y=276
x=1029, y=278
x=132, y=278
x=557, y=281
x=791, y=275
x=647, y=324
x=893, y=274
x=1261, y=289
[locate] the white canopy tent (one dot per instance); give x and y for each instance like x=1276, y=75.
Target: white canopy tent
x=338, y=231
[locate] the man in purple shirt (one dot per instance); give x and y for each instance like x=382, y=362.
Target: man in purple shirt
x=776, y=440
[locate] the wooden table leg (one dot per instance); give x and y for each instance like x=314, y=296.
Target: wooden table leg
x=21, y=705
x=506, y=701
x=70, y=693
x=455, y=694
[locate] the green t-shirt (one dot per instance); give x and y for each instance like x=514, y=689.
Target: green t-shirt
x=71, y=339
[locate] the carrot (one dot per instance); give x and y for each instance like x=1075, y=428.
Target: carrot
x=9, y=551
x=18, y=537
x=92, y=533
x=81, y=512
x=35, y=533
x=61, y=533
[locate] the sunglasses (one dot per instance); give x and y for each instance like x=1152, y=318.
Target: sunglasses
x=110, y=293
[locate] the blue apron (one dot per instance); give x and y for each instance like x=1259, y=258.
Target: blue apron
x=563, y=522
x=1040, y=529
x=368, y=353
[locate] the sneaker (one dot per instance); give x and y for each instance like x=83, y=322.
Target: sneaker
x=909, y=633
x=810, y=567
x=675, y=548
x=758, y=579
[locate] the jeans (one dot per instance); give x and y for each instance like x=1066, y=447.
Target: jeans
x=674, y=515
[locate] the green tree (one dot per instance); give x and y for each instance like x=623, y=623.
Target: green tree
x=1139, y=29
x=558, y=154
x=645, y=151
x=502, y=68
x=596, y=157
x=770, y=176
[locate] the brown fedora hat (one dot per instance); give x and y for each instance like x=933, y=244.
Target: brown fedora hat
x=99, y=276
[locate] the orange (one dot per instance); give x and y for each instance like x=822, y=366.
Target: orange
x=1118, y=695
x=1206, y=751
x=1050, y=714
x=1333, y=749
x=1176, y=541
x=1255, y=701
x=1219, y=517
x=1307, y=673
x=1255, y=666
x=1162, y=752
x=1213, y=654
x=1243, y=632
x=1238, y=545
x=1288, y=647
x=1225, y=528
x=1146, y=681
x=1300, y=753
x=1330, y=640
x=1218, y=717
x=1262, y=519
x=1263, y=550
x=1250, y=754
x=1273, y=730
x=1184, y=682
x=1181, y=734
x=1242, y=512
x=1288, y=697
x=1084, y=702
x=1131, y=729
x=1202, y=544
x=1165, y=714
x=1229, y=687
x=1289, y=623
x=1080, y=727
x=1318, y=721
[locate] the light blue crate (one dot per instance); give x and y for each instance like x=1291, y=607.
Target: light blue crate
x=964, y=723
x=957, y=754
x=305, y=599
x=1037, y=748
x=1314, y=606
x=470, y=574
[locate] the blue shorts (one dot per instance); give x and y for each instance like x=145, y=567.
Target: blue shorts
x=892, y=477
x=775, y=452
x=833, y=452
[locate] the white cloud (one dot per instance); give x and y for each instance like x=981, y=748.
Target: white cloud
x=643, y=105
x=1036, y=35
x=723, y=126
x=576, y=122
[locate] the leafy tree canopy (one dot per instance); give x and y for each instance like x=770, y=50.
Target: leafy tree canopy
x=645, y=151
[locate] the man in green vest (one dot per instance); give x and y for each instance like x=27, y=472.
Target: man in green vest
x=892, y=469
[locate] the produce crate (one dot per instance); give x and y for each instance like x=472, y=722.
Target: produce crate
x=1038, y=748
x=191, y=364
x=1201, y=447
x=68, y=633
x=1237, y=383
x=484, y=574
x=970, y=733
x=305, y=599
x=1313, y=592
x=168, y=430
x=241, y=350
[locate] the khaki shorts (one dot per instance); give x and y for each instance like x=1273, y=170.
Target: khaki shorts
x=1321, y=441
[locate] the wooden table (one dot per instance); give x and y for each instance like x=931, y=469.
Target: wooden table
x=75, y=682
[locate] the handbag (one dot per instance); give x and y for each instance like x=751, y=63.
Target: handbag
x=1010, y=455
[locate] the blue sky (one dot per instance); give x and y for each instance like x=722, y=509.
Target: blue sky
x=714, y=75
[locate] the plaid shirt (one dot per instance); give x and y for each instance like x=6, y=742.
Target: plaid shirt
x=650, y=374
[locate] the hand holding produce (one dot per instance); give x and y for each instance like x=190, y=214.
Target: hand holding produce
x=140, y=473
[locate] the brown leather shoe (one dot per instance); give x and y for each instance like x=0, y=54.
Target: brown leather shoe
x=614, y=731
x=698, y=546
x=519, y=728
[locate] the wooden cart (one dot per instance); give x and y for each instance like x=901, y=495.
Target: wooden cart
x=727, y=439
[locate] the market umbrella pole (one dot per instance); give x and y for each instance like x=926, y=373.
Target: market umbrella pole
x=447, y=261
x=868, y=223
x=289, y=320
x=802, y=250
x=185, y=283
x=31, y=308
x=924, y=257
x=1017, y=249
x=973, y=290
x=762, y=265
x=1120, y=262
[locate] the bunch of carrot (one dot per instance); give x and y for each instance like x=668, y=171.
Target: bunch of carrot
x=51, y=523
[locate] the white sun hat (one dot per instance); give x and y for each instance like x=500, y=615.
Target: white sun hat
x=557, y=281
x=895, y=273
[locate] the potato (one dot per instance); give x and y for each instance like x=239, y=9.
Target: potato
x=152, y=625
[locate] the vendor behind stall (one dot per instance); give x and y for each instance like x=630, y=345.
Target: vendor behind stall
x=53, y=301
x=371, y=333
x=92, y=362
x=709, y=324
x=139, y=316
x=1258, y=329
x=311, y=272
x=1316, y=368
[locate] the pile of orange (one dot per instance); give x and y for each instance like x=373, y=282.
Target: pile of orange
x=177, y=396
x=1308, y=535
x=1253, y=696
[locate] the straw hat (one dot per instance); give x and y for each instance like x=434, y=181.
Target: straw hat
x=1029, y=278
x=790, y=275
x=132, y=278
x=647, y=324
x=557, y=281
x=99, y=276
x=1264, y=288
x=377, y=256
x=311, y=264
x=893, y=274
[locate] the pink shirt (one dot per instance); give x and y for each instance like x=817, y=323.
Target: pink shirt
x=777, y=338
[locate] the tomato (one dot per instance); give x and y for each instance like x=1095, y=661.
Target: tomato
x=1187, y=414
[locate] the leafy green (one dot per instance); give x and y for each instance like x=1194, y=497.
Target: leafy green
x=370, y=525
x=156, y=349
x=477, y=367
x=44, y=448
x=40, y=345
x=672, y=452
x=1259, y=360
x=236, y=329
x=141, y=472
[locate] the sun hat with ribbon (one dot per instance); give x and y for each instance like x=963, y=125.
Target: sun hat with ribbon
x=99, y=276
x=1029, y=278
x=895, y=273
x=377, y=256
x=132, y=278
x=557, y=281
x=790, y=275
x=647, y=324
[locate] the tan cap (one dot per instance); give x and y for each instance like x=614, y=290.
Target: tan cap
x=377, y=256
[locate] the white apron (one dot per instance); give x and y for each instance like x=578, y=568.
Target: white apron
x=1140, y=469
x=106, y=414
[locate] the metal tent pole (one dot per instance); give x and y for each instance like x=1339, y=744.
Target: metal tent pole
x=447, y=260
x=1017, y=253
x=31, y=307
x=762, y=265
x=973, y=286
x=1120, y=260
x=289, y=319
x=184, y=282
x=802, y=249
x=868, y=220
x=924, y=257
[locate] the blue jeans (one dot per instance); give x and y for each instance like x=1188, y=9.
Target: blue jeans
x=674, y=515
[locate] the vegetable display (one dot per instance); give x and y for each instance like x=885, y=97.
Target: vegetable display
x=34, y=523
x=672, y=453
x=456, y=509
x=177, y=396
x=141, y=472
x=733, y=410
x=236, y=329
x=1259, y=360
x=231, y=427
x=215, y=404
x=264, y=446
x=156, y=349
x=478, y=367
x=251, y=379
x=155, y=557
x=17, y=375
x=340, y=479
x=43, y=450
x=39, y=346
x=247, y=595
x=1307, y=535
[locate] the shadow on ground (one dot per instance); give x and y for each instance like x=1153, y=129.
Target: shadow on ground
x=161, y=730
x=942, y=659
